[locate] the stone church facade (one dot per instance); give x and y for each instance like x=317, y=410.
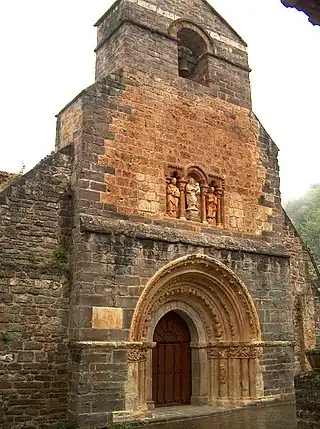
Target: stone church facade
x=148, y=261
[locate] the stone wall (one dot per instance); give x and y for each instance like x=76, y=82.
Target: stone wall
x=84, y=232
x=35, y=222
x=69, y=124
x=139, y=34
x=305, y=313
x=135, y=126
x=118, y=259
x=308, y=398
x=317, y=310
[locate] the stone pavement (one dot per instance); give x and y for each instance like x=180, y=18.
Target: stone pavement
x=281, y=416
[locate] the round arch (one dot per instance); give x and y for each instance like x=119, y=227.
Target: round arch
x=185, y=24
x=210, y=288
x=223, y=323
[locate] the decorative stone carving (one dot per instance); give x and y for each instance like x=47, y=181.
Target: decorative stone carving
x=222, y=318
x=212, y=205
x=235, y=351
x=138, y=353
x=222, y=370
x=173, y=196
x=192, y=193
x=185, y=271
x=220, y=209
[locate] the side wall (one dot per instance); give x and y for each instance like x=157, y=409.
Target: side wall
x=35, y=222
x=307, y=301
x=308, y=399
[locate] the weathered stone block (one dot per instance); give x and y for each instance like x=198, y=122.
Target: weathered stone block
x=107, y=318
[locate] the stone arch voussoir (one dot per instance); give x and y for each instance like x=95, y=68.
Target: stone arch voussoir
x=224, y=327
x=211, y=289
x=182, y=23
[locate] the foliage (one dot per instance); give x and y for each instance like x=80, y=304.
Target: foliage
x=13, y=178
x=8, y=336
x=60, y=258
x=305, y=215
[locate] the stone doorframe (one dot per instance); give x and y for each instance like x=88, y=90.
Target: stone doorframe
x=224, y=327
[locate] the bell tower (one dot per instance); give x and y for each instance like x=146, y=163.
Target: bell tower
x=184, y=38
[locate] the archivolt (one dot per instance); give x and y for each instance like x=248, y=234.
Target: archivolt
x=185, y=24
x=219, y=297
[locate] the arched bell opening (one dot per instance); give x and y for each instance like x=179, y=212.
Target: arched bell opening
x=216, y=309
x=193, y=45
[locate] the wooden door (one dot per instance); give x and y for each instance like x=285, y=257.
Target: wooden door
x=171, y=362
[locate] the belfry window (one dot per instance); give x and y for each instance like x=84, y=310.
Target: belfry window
x=192, y=59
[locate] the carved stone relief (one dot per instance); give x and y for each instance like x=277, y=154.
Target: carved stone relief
x=235, y=351
x=194, y=196
x=212, y=205
x=173, y=197
x=192, y=193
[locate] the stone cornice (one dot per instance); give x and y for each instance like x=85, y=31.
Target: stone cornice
x=160, y=231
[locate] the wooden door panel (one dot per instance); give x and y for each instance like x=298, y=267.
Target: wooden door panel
x=171, y=362
x=169, y=373
x=161, y=375
x=177, y=373
x=186, y=363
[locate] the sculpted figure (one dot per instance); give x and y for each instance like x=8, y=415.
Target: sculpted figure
x=173, y=195
x=192, y=192
x=212, y=203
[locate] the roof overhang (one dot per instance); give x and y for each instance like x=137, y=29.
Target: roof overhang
x=309, y=7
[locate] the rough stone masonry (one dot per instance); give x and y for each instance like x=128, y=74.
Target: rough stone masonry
x=159, y=211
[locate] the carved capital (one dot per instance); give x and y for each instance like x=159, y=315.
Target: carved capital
x=139, y=353
x=204, y=189
x=256, y=352
x=219, y=192
x=182, y=184
x=235, y=351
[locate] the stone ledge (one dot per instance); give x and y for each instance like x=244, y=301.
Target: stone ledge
x=150, y=231
x=137, y=344
x=109, y=344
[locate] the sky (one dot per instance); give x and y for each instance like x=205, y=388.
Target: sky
x=47, y=59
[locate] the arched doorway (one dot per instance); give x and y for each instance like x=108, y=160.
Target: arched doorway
x=171, y=362
x=226, y=346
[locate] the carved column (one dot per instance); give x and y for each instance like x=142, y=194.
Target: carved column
x=168, y=180
x=139, y=360
x=182, y=188
x=204, y=190
x=219, y=206
x=235, y=371
x=255, y=376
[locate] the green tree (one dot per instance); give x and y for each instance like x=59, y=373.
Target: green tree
x=305, y=215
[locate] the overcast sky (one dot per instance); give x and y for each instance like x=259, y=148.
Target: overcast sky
x=47, y=59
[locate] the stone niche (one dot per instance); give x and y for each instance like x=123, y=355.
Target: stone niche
x=195, y=196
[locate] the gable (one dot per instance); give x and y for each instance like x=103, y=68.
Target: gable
x=200, y=11
x=231, y=29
